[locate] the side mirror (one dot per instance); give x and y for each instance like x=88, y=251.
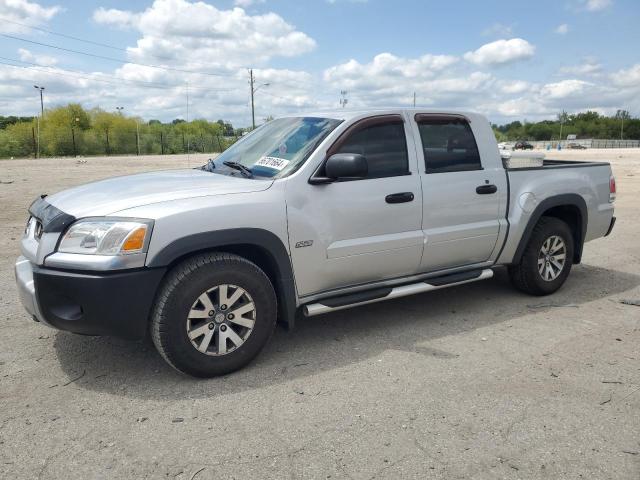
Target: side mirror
x=351, y=166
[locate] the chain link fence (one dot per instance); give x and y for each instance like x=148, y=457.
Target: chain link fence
x=586, y=143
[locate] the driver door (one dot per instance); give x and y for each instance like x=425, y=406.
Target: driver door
x=354, y=232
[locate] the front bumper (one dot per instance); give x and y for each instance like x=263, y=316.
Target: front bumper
x=89, y=303
x=26, y=288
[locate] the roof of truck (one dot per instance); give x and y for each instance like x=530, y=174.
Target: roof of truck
x=346, y=114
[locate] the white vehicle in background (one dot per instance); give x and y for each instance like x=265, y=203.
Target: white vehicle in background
x=306, y=215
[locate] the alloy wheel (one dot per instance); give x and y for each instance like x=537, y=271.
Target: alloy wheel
x=221, y=319
x=552, y=258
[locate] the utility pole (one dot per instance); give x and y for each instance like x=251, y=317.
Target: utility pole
x=35, y=145
x=563, y=116
x=254, y=89
x=38, y=127
x=39, y=118
x=138, y=137
x=188, y=137
x=74, y=123
x=414, y=99
x=622, y=126
x=253, y=111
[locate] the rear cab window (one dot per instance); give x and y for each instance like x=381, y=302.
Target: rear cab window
x=448, y=143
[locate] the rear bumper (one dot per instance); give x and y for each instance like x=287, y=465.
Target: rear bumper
x=89, y=303
x=613, y=222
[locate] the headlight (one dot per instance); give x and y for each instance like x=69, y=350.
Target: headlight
x=107, y=237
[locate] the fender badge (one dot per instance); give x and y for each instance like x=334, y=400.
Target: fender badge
x=305, y=243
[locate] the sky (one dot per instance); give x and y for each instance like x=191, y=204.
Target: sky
x=166, y=59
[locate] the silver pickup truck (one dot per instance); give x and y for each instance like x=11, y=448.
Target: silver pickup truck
x=306, y=215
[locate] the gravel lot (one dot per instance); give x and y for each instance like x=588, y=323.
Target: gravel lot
x=478, y=381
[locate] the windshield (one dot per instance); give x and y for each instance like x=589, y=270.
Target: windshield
x=276, y=149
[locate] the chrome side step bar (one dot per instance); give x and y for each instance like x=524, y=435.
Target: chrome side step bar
x=335, y=304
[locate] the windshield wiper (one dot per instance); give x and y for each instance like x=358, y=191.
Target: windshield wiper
x=209, y=167
x=238, y=166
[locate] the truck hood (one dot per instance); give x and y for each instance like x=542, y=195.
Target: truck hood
x=120, y=193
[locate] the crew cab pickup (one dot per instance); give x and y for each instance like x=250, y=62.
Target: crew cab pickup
x=306, y=215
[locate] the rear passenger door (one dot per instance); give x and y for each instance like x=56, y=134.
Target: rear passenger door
x=460, y=200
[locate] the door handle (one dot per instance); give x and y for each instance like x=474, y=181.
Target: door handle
x=486, y=189
x=400, y=197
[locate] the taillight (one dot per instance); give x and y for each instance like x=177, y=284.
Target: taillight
x=612, y=188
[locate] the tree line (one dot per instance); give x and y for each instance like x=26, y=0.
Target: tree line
x=72, y=131
x=587, y=124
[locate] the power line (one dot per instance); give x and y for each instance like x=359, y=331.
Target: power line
x=90, y=42
x=84, y=75
x=63, y=35
x=117, y=60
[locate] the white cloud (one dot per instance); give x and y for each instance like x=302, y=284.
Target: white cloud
x=188, y=32
x=389, y=79
x=116, y=18
x=192, y=35
x=627, y=77
x=596, y=5
x=565, y=89
x=387, y=70
x=501, y=52
x=562, y=29
x=25, y=12
x=588, y=68
x=514, y=86
x=44, y=60
x=246, y=3
x=498, y=29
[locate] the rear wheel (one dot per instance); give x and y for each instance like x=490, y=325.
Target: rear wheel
x=214, y=314
x=547, y=259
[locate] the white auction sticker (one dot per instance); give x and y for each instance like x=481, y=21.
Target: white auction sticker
x=272, y=162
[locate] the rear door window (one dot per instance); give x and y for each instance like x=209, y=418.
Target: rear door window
x=448, y=144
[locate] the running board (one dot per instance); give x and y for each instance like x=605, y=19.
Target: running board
x=377, y=295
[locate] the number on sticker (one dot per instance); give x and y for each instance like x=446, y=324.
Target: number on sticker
x=272, y=162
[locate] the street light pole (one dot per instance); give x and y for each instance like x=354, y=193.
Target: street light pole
x=41, y=100
x=119, y=109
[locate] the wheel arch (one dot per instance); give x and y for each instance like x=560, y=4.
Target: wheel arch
x=571, y=209
x=259, y=246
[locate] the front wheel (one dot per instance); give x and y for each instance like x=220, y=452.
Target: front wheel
x=213, y=315
x=547, y=259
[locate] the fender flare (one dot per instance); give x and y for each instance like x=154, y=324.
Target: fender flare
x=564, y=200
x=253, y=237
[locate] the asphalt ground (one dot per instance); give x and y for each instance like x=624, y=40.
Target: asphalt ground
x=478, y=381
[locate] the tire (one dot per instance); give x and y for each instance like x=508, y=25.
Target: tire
x=526, y=276
x=182, y=321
